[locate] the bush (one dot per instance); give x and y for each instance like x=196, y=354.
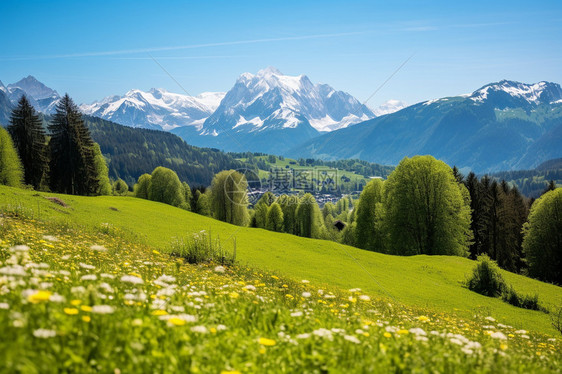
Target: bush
x=201, y=248
x=486, y=278
x=531, y=302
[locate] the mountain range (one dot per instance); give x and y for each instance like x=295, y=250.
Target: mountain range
x=501, y=126
x=505, y=125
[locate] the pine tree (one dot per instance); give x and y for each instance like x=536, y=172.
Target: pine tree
x=11, y=173
x=29, y=139
x=72, y=164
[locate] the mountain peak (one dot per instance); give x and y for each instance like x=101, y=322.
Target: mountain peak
x=532, y=93
x=34, y=88
x=270, y=70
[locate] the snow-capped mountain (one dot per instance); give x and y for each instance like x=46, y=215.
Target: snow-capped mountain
x=510, y=94
x=502, y=126
x=157, y=108
x=43, y=98
x=389, y=106
x=271, y=100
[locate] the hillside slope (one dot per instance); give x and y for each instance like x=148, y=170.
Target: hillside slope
x=501, y=126
x=433, y=282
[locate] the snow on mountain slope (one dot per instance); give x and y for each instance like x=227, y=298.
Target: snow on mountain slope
x=513, y=94
x=43, y=98
x=270, y=100
x=156, y=108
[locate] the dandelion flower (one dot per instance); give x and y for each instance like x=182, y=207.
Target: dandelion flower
x=267, y=342
x=176, y=321
x=70, y=311
x=39, y=296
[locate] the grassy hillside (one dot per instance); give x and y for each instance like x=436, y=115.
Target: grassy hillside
x=85, y=302
x=433, y=282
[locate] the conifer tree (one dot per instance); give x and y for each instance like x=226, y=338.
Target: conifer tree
x=29, y=139
x=11, y=173
x=72, y=164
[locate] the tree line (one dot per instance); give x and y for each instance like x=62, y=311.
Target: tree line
x=65, y=159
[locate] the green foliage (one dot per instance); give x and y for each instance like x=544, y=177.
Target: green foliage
x=187, y=196
x=142, y=187
x=274, y=221
x=308, y=217
x=72, y=165
x=120, y=187
x=543, y=238
x=202, y=204
x=486, y=278
x=165, y=187
x=259, y=218
x=133, y=152
x=229, y=198
x=289, y=206
x=11, y=173
x=104, y=185
x=426, y=210
x=531, y=302
x=348, y=235
x=28, y=135
x=431, y=282
x=202, y=248
x=369, y=217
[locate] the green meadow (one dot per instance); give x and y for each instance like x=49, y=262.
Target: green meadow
x=430, y=283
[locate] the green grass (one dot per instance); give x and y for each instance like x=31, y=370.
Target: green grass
x=77, y=301
x=431, y=282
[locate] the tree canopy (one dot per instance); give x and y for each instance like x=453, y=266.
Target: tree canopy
x=229, y=200
x=11, y=173
x=426, y=210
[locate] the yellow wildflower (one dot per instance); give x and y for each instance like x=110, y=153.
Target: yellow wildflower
x=39, y=296
x=267, y=342
x=71, y=311
x=176, y=321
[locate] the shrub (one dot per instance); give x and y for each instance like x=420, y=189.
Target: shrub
x=201, y=248
x=486, y=278
x=510, y=296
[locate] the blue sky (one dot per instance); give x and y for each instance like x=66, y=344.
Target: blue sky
x=95, y=49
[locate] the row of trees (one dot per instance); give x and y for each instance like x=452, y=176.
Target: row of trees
x=68, y=161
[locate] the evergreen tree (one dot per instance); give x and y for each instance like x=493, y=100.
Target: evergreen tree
x=104, y=185
x=165, y=187
x=274, y=221
x=426, y=210
x=72, y=164
x=29, y=139
x=308, y=217
x=11, y=173
x=543, y=238
x=551, y=187
x=229, y=200
x=143, y=186
x=369, y=217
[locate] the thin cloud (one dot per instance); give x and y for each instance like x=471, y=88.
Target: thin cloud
x=177, y=48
